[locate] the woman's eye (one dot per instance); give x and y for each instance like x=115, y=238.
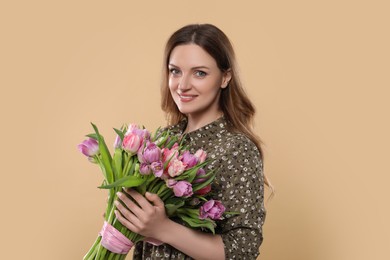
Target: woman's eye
x=174, y=71
x=200, y=73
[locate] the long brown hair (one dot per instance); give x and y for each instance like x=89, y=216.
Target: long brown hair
x=234, y=102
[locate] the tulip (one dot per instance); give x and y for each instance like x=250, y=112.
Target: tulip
x=199, y=173
x=189, y=160
x=212, y=209
x=176, y=167
x=204, y=190
x=170, y=183
x=131, y=143
x=201, y=155
x=134, y=129
x=157, y=168
x=145, y=169
x=152, y=153
x=170, y=154
x=89, y=147
x=182, y=189
x=118, y=142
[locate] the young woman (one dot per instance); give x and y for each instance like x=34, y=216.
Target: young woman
x=203, y=98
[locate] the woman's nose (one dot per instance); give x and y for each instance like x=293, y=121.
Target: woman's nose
x=184, y=83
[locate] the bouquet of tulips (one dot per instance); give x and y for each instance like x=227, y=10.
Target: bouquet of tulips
x=159, y=164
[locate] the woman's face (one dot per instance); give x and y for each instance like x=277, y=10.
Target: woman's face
x=195, y=82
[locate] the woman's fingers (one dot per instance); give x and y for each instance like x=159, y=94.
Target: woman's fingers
x=130, y=204
x=127, y=214
x=155, y=199
x=144, y=203
x=125, y=222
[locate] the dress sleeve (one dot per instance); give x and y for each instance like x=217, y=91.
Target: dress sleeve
x=241, y=188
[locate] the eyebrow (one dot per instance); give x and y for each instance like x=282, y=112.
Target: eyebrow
x=197, y=67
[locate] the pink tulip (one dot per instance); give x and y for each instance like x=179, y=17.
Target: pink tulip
x=131, y=143
x=176, y=167
x=134, y=129
x=117, y=142
x=212, y=209
x=145, y=169
x=152, y=153
x=157, y=168
x=170, y=182
x=199, y=173
x=170, y=153
x=201, y=155
x=182, y=189
x=89, y=147
x=189, y=160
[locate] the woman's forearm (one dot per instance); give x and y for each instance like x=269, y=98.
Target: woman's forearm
x=196, y=244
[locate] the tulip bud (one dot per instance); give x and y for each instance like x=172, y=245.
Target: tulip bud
x=117, y=142
x=170, y=183
x=145, y=169
x=204, y=190
x=212, y=209
x=157, y=168
x=89, y=147
x=152, y=153
x=131, y=143
x=176, y=167
x=182, y=189
x=189, y=160
x=199, y=173
x=201, y=155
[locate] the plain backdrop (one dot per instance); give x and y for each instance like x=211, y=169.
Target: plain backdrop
x=317, y=71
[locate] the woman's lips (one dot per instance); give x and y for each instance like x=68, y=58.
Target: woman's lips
x=186, y=97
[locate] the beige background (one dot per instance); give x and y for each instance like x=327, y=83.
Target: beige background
x=318, y=72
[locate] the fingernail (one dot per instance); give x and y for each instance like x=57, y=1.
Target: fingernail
x=116, y=203
x=120, y=194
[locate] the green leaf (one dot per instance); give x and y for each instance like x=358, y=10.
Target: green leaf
x=93, y=136
x=120, y=133
x=203, y=184
x=117, y=163
x=127, y=181
x=172, y=208
x=105, y=154
x=205, y=223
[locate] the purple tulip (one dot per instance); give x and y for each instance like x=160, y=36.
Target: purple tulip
x=118, y=142
x=89, y=147
x=152, y=153
x=199, y=173
x=170, y=183
x=157, y=168
x=212, y=209
x=145, y=169
x=189, y=159
x=182, y=189
x=134, y=129
x=131, y=143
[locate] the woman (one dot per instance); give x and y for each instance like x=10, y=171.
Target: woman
x=203, y=98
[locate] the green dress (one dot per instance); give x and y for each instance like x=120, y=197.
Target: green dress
x=239, y=184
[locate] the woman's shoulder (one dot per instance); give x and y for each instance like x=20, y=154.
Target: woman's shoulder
x=239, y=142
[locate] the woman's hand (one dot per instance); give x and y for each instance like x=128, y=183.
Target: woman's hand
x=148, y=219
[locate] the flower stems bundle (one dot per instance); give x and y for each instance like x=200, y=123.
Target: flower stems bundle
x=159, y=164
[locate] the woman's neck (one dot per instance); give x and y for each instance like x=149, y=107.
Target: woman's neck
x=194, y=123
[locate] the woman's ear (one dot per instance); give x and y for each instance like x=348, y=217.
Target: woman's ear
x=227, y=76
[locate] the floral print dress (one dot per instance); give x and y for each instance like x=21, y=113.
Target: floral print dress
x=238, y=184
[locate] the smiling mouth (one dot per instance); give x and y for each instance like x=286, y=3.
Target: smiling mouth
x=186, y=98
